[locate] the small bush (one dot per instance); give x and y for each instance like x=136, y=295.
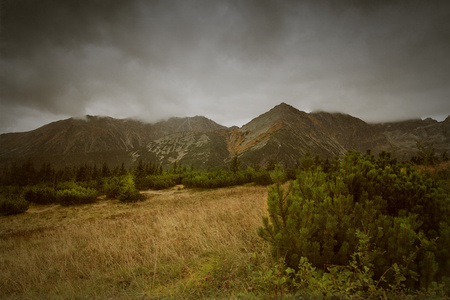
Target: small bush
x=160, y=182
x=262, y=178
x=128, y=191
x=122, y=188
x=218, y=179
x=112, y=186
x=67, y=185
x=40, y=194
x=12, y=204
x=76, y=195
x=93, y=184
x=128, y=195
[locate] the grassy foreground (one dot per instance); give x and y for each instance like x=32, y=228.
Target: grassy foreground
x=178, y=243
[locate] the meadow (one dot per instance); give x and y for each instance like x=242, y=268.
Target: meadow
x=178, y=243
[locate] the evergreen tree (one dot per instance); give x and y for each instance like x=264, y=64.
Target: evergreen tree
x=105, y=170
x=29, y=174
x=426, y=154
x=139, y=171
x=122, y=170
x=95, y=173
x=234, y=164
x=271, y=165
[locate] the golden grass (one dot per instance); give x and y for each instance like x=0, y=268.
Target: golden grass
x=177, y=243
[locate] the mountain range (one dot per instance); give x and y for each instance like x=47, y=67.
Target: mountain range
x=283, y=134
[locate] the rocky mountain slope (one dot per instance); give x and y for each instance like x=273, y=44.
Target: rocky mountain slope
x=403, y=136
x=283, y=135
x=93, y=140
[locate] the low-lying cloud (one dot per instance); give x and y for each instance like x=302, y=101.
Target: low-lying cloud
x=226, y=60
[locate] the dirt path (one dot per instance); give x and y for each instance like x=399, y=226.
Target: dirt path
x=170, y=191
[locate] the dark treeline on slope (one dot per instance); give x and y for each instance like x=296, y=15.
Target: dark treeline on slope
x=29, y=174
x=23, y=184
x=32, y=173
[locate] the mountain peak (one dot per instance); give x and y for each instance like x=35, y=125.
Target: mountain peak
x=282, y=113
x=284, y=107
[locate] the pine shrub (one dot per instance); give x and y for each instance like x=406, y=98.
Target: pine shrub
x=40, y=194
x=128, y=191
x=76, y=195
x=402, y=214
x=112, y=186
x=12, y=204
x=161, y=182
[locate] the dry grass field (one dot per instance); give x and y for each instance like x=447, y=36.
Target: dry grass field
x=178, y=243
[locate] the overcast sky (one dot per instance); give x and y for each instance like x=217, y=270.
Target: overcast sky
x=227, y=60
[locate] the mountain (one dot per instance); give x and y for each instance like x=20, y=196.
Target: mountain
x=403, y=136
x=283, y=134
x=93, y=139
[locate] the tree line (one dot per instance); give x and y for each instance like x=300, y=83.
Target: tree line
x=23, y=184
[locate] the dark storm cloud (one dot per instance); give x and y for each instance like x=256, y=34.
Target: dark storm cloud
x=227, y=60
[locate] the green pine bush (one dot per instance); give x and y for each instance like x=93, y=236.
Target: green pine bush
x=401, y=213
x=128, y=191
x=112, y=186
x=40, y=194
x=12, y=204
x=76, y=195
x=161, y=182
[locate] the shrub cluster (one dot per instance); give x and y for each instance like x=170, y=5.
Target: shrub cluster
x=12, y=204
x=112, y=185
x=220, y=178
x=40, y=194
x=159, y=182
x=67, y=193
x=122, y=188
x=215, y=179
x=76, y=195
x=400, y=212
x=128, y=191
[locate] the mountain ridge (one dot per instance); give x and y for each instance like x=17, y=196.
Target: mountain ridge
x=282, y=134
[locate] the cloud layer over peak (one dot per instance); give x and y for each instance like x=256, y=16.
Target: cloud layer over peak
x=226, y=60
